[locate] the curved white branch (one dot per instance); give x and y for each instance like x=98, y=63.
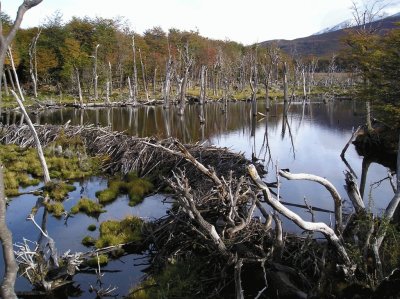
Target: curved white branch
x=328, y=185
x=309, y=226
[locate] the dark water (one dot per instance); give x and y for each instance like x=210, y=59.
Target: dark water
x=309, y=140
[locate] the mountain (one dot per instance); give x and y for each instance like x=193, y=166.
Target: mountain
x=343, y=25
x=329, y=40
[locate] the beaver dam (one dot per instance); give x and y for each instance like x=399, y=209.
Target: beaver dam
x=223, y=235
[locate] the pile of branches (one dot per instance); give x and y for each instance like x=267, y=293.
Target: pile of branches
x=218, y=217
x=124, y=154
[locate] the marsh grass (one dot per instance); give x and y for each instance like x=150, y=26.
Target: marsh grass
x=88, y=207
x=55, y=208
x=136, y=188
x=113, y=232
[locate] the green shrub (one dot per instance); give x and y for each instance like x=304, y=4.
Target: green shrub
x=114, y=232
x=87, y=206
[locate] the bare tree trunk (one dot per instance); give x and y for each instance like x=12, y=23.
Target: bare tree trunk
x=285, y=90
x=144, y=76
x=267, y=71
x=46, y=175
x=131, y=93
x=5, y=41
x=369, y=124
x=203, y=75
x=33, y=63
x=108, y=93
x=15, y=74
x=11, y=268
x=10, y=76
x=96, y=77
x=5, y=84
x=110, y=77
x=135, y=80
x=79, y=87
x=303, y=75
x=188, y=61
x=154, y=82
x=167, y=87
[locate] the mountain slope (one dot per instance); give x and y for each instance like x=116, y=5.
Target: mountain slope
x=325, y=44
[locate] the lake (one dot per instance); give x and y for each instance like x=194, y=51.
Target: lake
x=309, y=140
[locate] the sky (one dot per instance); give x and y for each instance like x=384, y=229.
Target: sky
x=244, y=21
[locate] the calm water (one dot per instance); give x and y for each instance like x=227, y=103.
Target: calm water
x=309, y=140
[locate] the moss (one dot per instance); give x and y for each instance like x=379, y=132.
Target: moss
x=87, y=206
x=114, y=232
x=25, y=180
x=92, y=227
x=22, y=166
x=178, y=280
x=102, y=259
x=88, y=241
x=107, y=196
x=58, y=190
x=135, y=187
x=55, y=208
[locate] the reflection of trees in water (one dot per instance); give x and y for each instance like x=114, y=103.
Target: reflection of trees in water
x=151, y=121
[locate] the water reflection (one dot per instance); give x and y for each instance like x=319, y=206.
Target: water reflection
x=308, y=139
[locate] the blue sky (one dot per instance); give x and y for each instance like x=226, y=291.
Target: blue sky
x=245, y=21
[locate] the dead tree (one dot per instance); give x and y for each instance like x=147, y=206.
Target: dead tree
x=154, y=82
x=110, y=77
x=254, y=83
x=203, y=92
x=95, y=75
x=144, y=76
x=187, y=64
x=11, y=268
x=5, y=84
x=5, y=40
x=285, y=90
x=33, y=62
x=10, y=56
x=135, y=80
x=273, y=53
x=78, y=82
x=168, y=76
x=267, y=77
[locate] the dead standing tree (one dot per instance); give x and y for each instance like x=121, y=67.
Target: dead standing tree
x=169, y=68
x=203, y=92
x=187, y=64
x=95, y=75
x=33, y=62
x=254, y=83
x=7, y=286
x=267, y=67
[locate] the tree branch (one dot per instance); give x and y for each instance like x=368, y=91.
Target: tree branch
x=309, y=226
x=328, y=185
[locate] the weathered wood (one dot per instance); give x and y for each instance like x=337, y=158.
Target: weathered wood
x=33, y=62
x=143, y=75
x=7, y=285
x=309, y=226
x=354, y=192
x=328, y=185
x=95, y=75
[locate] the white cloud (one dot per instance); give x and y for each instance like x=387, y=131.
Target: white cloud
x=246, y=21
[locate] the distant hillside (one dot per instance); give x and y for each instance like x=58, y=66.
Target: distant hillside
x=327, y=43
